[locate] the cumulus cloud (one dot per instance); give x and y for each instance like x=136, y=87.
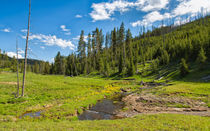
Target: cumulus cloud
x=52, y=60
x=20, y=51
x=14, y=54
x=78, y=16
x=51, y=40
x=24, y=30
x=104, y=10
x=64, y=29
x=150, y=5
x=77, y=38
x=150, y=18
x=7, y=30
x=190, y=7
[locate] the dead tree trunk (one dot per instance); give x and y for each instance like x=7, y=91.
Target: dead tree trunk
x=17, y=95
x=26, y=49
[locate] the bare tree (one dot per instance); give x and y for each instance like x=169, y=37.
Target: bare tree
x=26, y=49
x=17, y=95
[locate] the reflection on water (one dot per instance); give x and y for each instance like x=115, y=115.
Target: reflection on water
x=32, y=114
x=103, y=110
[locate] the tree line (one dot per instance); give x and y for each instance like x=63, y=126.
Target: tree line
x=117, y=52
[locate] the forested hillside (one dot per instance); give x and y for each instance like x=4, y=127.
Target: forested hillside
x=119, y=52
x=10, y=64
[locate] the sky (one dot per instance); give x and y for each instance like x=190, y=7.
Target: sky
x=57, y=24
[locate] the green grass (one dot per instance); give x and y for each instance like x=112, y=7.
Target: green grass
x=172, y=122
x=61, y=98
x=58, y=96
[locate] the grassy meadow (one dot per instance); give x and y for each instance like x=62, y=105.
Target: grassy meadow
x=61, y=98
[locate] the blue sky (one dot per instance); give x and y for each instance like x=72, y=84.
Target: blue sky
x=56, y=24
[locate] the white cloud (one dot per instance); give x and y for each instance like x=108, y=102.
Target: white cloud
x=78, y=16
x=7, y=30
x=104, y=10
x=68, y=33
x=150, y=18
x=190, y=7
x=42, y=47
x=150, y=5
x=182, y=20
x=24, y=30
x=64, y=29
x=77, y=38
x=20, y=51
x=52, y=60
x=13, y=54
x=52, y=40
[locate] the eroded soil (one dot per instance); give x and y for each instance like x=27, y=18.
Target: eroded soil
x=147, y=103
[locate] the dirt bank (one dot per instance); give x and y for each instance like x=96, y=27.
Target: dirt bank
x=151, y=104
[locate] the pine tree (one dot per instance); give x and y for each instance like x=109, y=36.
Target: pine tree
x=89, y=62
x=120, y=65
x=130, y=66
x=82, y=54
x=107, y=42
x=122, y=45
x=154, y=65
x=52, y=69
x=58, y=64
x=93, y=50
x=36, y=67
x=201, y=58
x=46, y=68
x=114, y=44
x=183, y=68
x=63, y=65
x=165, y=58
x=106, y=68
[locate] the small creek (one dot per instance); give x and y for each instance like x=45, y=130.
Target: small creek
x=103, y=110
x=31, y=114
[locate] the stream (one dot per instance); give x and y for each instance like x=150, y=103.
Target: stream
x=103, y=110
x=32, y=114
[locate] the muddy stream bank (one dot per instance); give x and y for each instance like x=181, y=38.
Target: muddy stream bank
x=127, y=104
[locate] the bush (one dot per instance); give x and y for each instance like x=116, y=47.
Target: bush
x=201, y=59
x=184, y=70
x=154, y=66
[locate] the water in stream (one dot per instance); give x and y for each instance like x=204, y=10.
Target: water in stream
x=103, y=110
x=32, y=114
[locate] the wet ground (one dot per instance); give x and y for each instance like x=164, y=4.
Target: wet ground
x=128, y=104
x=32, y=114
x=103, y=110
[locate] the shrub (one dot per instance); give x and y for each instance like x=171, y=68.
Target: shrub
x=184, y=70
x=201, y=59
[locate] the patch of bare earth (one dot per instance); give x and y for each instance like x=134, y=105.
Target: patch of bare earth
x=151, y=104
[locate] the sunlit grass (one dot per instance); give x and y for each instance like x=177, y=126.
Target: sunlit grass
x=170, y=122
x=58, y=96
